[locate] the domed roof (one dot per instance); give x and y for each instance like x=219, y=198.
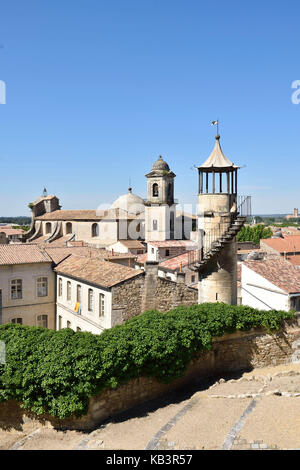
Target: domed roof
x=160, y=164
x=129, y=202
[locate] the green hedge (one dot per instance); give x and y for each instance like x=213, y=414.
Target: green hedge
x=56, y=372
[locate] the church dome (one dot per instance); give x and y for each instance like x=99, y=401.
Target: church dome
x=129, y=202
x=160, y=164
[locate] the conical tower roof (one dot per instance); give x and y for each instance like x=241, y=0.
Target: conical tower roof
x=217, y=159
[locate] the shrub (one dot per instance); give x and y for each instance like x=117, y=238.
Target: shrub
x=56, y=372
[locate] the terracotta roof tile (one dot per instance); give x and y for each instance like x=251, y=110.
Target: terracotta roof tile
x=58, y=254
x=288, y=244
x=175, y=262
x=22, y=254
x=279, y=272
x=173, y=243
x=141, y=259
x=12, y=231
x=132, y=244
x=111, y=214
x=96, y=271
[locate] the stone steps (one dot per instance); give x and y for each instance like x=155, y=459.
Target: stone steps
x=219, y=244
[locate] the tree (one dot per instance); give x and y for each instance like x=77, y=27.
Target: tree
x=253, y=234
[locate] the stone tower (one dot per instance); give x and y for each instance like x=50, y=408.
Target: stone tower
x=160, y=209
x=218, y=224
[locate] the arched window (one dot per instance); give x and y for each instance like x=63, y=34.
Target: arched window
x=79, y=293
x=69, y=290
x=91, y=300
x=42, y=320
x=171, y=221
x=17, y=320
x=60, y=287
x=169, y=190
x=48, y=227
x=101, y=305
x=95, y=230
x=68, y=227
x=154, y=224
x=155, y=190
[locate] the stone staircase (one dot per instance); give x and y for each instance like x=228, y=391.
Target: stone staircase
x=198, y=260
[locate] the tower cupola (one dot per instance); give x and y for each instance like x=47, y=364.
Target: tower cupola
x=218, y=174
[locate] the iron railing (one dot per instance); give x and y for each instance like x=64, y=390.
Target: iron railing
x=244, y=206
x=208, y=240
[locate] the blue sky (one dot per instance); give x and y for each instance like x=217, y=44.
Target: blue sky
x=96, y=90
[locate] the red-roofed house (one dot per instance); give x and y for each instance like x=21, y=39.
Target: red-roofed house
x=286, y=245
x=27, y=286
x=270, y=284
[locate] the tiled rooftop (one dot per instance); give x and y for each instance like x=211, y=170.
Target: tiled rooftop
x=58, y=254
x=134, y=244
x=111, y=214
x=11, y=231
x=279, y=272
x=22, y=254
x=174, y=263
x=289, y=243
x=142, y=258
x=173, y=243
x=96, y=271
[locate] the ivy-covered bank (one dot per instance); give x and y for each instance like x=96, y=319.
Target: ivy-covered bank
x=56, y=372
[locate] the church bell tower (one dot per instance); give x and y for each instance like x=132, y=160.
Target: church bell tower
x=160, y=209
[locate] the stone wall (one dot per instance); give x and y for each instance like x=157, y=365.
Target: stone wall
x=163, y=294
x=170, y=294
x=230, y=353
x=127, y=300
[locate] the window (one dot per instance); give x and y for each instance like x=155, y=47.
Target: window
x=17, y=320
x=154, y=224
x=59, y=322
x=68, y=227
x=48, y=227
x=68, y=324
x=42, y=320
x=193, y=279
x=78, y=296
x=91, y=300
x=167, y=252
x=78, y=329
x=42, y=286
x=60, y=287
x=155, y=190
x=101, y=305
x=16, y=289
x=69, y=290
x=95, y=230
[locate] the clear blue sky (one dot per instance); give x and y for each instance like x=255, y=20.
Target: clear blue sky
x=96, y=90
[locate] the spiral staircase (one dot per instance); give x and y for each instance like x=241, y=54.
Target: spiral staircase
x=215, y=241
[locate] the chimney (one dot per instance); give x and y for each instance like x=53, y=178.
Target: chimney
x=149, y=292
x=180, y=277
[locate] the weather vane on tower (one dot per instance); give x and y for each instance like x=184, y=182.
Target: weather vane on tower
x=213, y=123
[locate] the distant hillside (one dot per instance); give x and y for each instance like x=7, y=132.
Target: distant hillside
x=21, y=220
